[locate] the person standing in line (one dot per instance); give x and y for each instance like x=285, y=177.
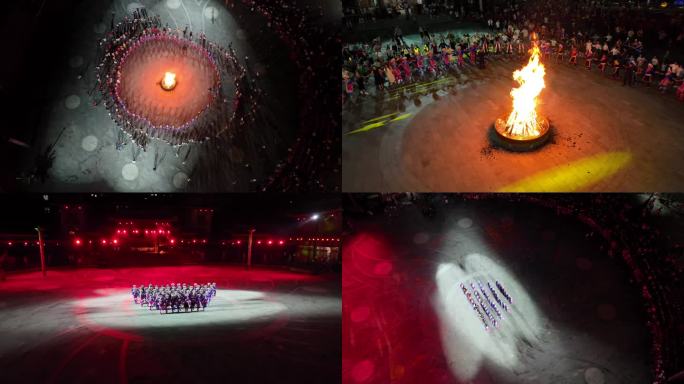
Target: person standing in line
x=628, y=78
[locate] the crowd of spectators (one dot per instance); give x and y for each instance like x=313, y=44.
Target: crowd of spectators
x=636, y=46
x=312, y=162
x=403, y=9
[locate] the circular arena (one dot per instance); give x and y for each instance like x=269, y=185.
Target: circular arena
x=512, y=288
x=142, y=73
x=246, y=107
x=83, y=326
x=422, y=89
x=128, y=288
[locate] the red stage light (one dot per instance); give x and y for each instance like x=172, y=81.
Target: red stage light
x=238, y=241
x=173, y=241
x=104, y=241
x=194, y=241
x=204, y=241
x=281, y=242
x=115, y=241
x=9, y=243
x=77, y=242
x=25, y=243
x=146, y=231
x=270, y=242
x=258, y=241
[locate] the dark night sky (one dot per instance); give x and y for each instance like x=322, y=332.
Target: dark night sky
x=231, y=211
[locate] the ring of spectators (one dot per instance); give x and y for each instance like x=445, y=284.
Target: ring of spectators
x=636, y=46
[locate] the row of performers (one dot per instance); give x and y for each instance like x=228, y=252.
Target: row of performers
x=481, y=305
x=174, y=297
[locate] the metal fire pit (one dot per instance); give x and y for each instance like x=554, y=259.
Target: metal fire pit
x=516, y=143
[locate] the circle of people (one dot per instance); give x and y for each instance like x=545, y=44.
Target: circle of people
x=399, y=62
x=174, y=297
x=219, y=116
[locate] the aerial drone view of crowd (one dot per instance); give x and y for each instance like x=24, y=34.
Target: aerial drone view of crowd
x=631, y=45
x=146, y=32
x=174, y=297
x=483, y=304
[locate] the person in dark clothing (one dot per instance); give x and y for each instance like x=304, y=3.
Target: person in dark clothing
x=361, y=82
x=628, y=78
x=379, y=78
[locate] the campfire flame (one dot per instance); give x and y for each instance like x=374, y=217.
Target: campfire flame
x=523, y=121
x=168, y=81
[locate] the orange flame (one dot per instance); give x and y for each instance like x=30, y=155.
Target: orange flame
x=169, y=81
x=523, y=120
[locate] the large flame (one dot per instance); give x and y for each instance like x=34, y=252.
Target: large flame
x=168, y=82
x=523, y=120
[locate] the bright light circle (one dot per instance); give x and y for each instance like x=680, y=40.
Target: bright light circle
x=229, y=306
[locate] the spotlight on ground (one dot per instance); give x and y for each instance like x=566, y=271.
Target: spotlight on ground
x=466, y=342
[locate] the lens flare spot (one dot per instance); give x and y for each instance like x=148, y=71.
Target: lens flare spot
x=363, y=371
x=383, y=268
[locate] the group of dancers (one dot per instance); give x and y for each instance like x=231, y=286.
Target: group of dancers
x=437, y=55
x=174, y=297
x=480, y=301
x=222, y=113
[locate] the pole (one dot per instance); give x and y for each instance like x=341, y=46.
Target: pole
x=42, y=251
x=249, y=248
x=315, y=244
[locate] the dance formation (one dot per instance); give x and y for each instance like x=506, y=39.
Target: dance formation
x=174, y=297
x=222, y=112
x=481, y=301
x=438, y=55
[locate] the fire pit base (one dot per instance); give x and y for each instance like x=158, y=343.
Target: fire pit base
x=501, y=139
